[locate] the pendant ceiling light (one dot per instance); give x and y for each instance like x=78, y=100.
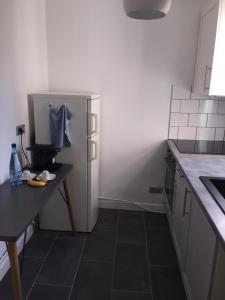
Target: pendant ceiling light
x=146, y=9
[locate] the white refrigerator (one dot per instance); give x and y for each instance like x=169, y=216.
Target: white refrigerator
x=83, y=181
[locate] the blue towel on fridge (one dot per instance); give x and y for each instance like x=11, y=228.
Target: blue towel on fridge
x=59, y=118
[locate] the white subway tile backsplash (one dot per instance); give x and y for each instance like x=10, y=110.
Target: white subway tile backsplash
x=173, y=133
x=179, y=119
x=197, y=120
x=216, y=120
x=189, y=106
x=187, y=133
x=199, y=97
x=194, y=116
x=175, y=106
x=219, y=134
x=180, y=92
x=208, y=106
x=221, y=109
x=205, y=134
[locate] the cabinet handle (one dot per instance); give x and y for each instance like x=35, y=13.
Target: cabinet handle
x=185, y=212
x=207, y=69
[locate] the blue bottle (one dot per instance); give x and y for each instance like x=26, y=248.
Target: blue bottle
x=15, y=169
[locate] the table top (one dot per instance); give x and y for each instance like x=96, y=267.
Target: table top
x=20, y=205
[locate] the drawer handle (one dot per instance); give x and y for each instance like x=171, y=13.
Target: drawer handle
x=207, y=70
x=185, y=212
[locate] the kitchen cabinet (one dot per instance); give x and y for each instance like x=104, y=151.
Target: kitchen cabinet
x=200, y=254
x=182, y=204
x=218, y=286
x=210, y=61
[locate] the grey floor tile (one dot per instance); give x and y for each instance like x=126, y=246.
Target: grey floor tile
x=131, y=227
x=30, y=269
x=40, y=243
x=160, y=247
x=167, y=284
x=131, y=270
x=93, y=281
x=107, y=220
x=71, y=235
x=62, y=263
x=131, y=217
x=40, y=292
x=100, y=246
x=128, y=295
x=156, y=220
x=102, y=235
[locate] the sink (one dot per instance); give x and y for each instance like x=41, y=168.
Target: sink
x=216, y=187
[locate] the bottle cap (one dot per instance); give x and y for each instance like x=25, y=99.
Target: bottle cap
x=13, y=145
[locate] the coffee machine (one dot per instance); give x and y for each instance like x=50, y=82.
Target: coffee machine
x=43, y=157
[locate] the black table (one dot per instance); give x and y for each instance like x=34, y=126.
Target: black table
x=18, y=207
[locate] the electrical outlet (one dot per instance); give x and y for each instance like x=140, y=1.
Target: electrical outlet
x=20, y=129
x=155, y=190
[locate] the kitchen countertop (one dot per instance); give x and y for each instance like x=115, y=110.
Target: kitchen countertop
x=194, y=166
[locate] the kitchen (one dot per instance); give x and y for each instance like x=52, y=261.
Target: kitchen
x=143, y=71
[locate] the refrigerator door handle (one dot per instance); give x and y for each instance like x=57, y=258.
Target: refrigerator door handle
x=92, y=150
x=94, y=123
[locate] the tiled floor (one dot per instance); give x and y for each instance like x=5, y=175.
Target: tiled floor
x=129, y=256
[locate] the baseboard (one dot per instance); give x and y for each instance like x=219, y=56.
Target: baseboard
x=128, y=205
x=4, y=261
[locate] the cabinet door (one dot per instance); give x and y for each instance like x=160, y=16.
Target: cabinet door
x=218, y=286
x=182, y=202
x=200, y=254
x=206, y=46
x=217, y=86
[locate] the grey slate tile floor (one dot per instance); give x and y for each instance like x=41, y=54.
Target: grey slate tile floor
x=128, y=256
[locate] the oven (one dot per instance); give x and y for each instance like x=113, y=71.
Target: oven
x=170, y=180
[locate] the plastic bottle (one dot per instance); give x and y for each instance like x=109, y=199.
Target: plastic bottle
x=15, y=169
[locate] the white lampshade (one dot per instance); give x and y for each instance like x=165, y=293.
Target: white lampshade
x=146, y=9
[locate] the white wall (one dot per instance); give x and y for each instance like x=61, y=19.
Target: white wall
x=92, y=45
x=23, y=67
x=23, y=61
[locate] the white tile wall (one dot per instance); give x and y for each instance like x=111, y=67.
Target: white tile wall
x=197, y=120
x=189, y=106
x=175, y=106
x=198, y=97
x=173, y=133
x=221, y=107
x=187, y=133
x=208, y=106
x=215, y=120
x=205, y=134
x=219, y=134
x=177, y=119
x=196, y=116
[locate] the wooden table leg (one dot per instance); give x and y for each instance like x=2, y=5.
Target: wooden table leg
x=15, y=270
x=69, y=205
